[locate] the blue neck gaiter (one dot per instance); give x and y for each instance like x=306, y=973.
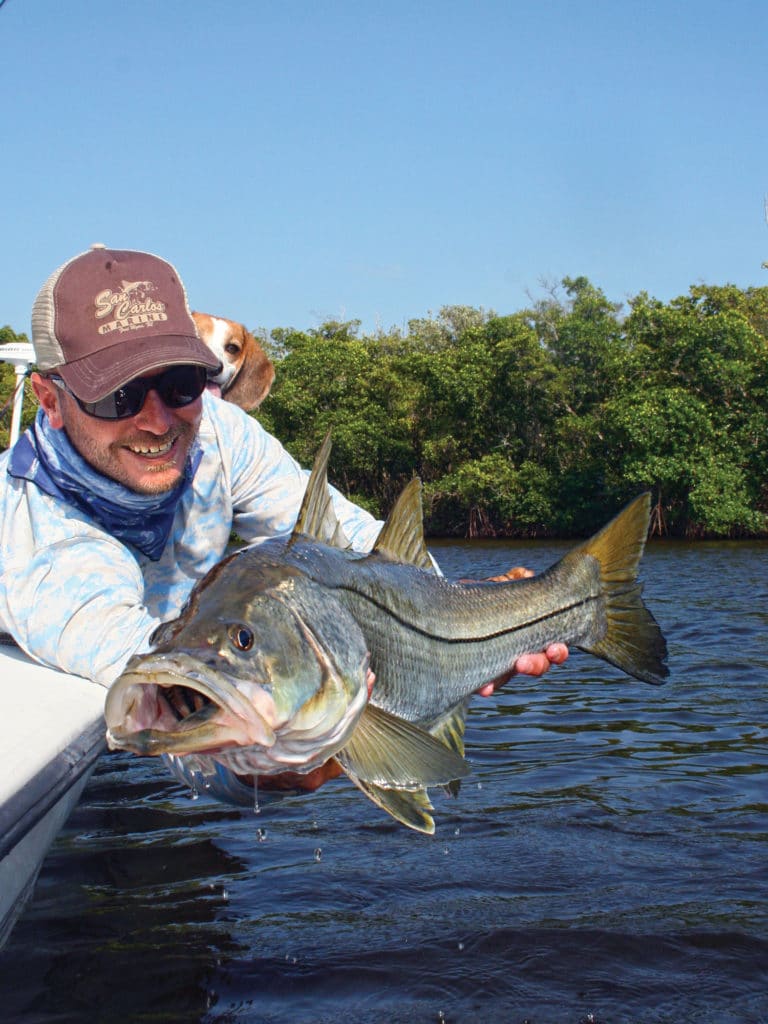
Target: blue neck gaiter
x=47, y=458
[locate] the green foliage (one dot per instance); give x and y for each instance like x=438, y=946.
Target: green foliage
x=546, y=420
x=543, y=421
x=690, y=417
x=488, y=497
x=720, y=502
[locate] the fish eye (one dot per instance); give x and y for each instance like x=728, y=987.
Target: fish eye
x=242, y=637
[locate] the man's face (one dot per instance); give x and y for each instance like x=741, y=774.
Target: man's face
x=146, y=452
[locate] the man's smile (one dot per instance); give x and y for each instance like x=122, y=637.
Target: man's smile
x=152, y=449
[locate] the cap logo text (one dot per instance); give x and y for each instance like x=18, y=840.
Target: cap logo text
x=131, y=307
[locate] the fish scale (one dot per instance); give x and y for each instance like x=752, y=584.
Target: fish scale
x=433, y=643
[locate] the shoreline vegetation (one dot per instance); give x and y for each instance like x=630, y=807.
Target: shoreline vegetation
x=540, y=423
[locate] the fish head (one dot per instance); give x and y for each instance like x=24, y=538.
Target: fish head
x=263, y=676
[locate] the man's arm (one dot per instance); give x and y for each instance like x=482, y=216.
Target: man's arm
x=267, y=484
x=76, y=605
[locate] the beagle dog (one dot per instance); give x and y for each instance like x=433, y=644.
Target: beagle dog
x=247, y=371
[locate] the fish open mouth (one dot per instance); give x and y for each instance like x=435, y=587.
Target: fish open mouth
x=186, y=703
x=170, y=708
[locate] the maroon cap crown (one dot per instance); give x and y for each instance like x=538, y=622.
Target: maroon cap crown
x=110, y=315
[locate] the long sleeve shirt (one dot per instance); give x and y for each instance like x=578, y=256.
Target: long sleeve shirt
x=76, y=598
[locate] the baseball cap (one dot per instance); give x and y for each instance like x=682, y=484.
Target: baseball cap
x=109, y=315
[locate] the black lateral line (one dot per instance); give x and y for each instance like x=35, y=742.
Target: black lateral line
x=468, y=639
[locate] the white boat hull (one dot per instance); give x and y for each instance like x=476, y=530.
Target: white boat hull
x=53, y=733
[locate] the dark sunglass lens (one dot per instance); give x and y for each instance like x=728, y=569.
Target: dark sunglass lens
x=128, y=399
x=182, y=385
x=118, y=405
x=177, y=387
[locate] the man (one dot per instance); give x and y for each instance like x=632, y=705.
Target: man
x=125, y=490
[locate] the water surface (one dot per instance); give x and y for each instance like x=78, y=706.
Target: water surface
x=607, y=861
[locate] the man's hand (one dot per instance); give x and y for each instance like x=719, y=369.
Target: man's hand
x=295, y=780
x=518, y=573
x=529, y=665
x=526, y=664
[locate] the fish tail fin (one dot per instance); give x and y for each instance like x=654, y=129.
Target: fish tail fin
x=632, y=640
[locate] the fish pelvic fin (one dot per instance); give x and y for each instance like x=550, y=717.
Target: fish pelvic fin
x=633, y=640
x=402, y=535
x=390, y=752
x=413, y=807
x=317, y=516
x=409, y=808
x=449, y=729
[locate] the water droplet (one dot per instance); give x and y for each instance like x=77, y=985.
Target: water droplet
x=457, y=832
x=225, y=894
x=461, y=947
x=256, y=808
x=318, y=854
x=261, y=835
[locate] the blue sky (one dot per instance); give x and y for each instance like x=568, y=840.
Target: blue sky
x=345, y=159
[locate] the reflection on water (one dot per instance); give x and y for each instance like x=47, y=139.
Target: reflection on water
x=606, y=861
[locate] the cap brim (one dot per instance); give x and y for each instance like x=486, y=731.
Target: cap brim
x=97, y=375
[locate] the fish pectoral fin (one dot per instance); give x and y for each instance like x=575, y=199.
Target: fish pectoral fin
x=409, y=808
x=388, y=751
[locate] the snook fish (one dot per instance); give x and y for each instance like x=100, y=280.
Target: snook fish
x=265, y=669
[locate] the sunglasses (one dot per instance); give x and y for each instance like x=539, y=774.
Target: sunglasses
x=177, y=387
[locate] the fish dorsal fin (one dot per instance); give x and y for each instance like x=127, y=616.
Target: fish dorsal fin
x=411, y=809
x=402, y=536
x=317, y=517
x=387, y=751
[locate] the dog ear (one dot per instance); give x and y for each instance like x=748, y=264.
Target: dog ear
x=251, y=385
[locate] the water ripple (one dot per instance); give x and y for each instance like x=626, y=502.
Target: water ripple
x=604, y=863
